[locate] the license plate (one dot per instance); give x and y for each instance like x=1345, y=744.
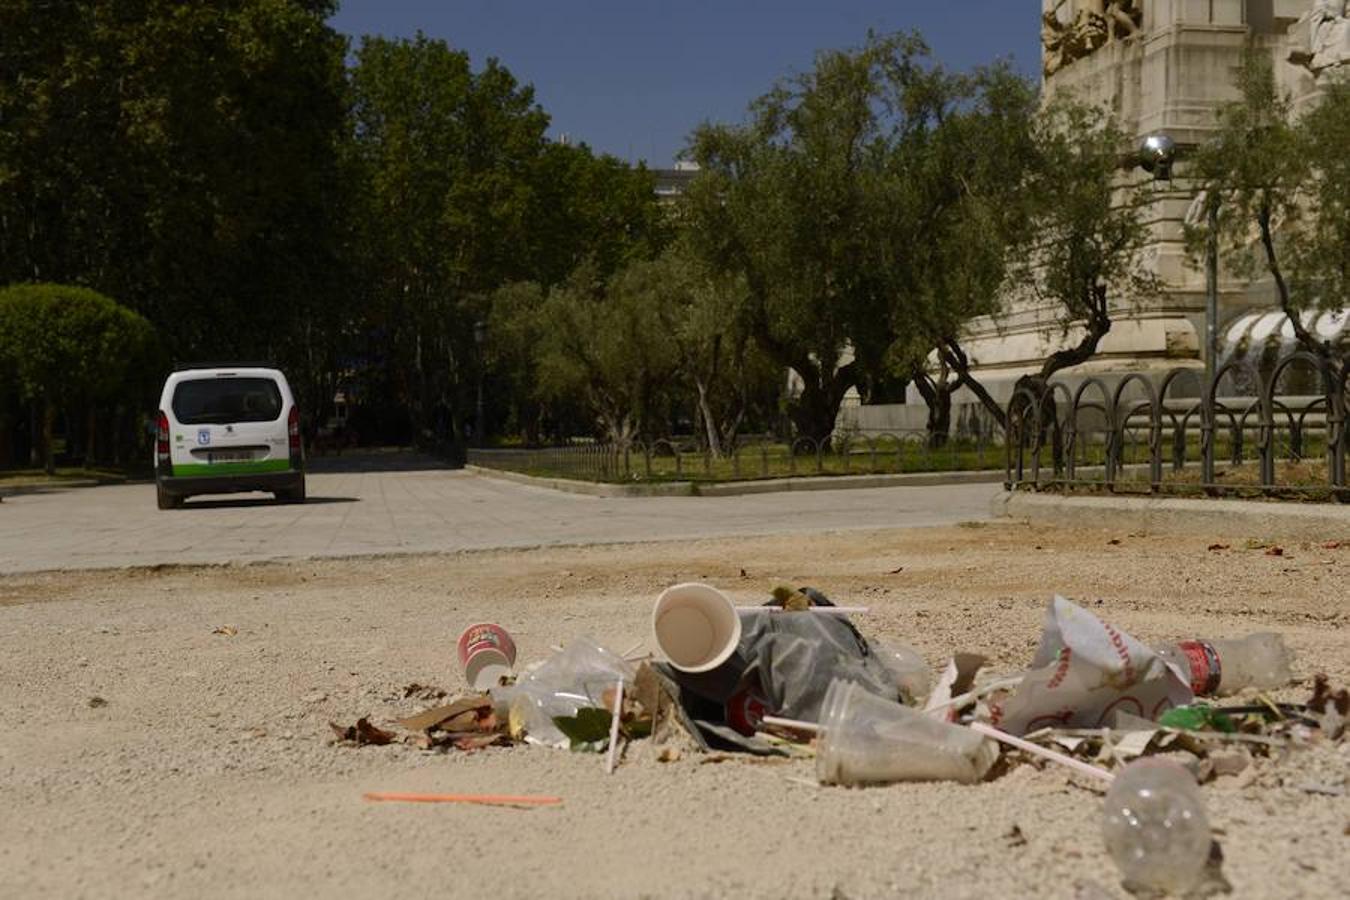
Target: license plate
x=228, y=456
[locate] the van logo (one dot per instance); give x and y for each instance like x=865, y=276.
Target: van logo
x=229, y=429
x=203, y=436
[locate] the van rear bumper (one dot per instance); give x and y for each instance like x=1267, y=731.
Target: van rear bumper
x=187, y=486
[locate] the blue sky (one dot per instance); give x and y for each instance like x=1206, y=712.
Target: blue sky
x=633, y=77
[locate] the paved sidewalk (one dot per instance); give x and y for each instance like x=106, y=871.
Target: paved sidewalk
x=415, y=509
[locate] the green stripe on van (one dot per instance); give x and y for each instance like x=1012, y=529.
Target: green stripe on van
x=234, y=468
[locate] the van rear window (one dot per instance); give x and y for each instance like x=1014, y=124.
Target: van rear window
x=217, y=400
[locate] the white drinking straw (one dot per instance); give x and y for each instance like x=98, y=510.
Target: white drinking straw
x=1036, y=749
x=812, y=727
x=614, y=730
x=962, y=699
x=988, y=731
x=822, y=610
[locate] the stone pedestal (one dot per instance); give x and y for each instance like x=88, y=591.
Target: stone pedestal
x=1159, y=66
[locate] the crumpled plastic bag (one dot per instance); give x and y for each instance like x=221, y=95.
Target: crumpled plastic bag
x=1087, y=672
x=796, y=655
x=566, y=682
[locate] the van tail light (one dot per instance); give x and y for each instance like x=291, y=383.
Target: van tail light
x=162, y=439
x=293, y=433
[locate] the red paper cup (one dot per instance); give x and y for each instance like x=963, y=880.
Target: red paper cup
x=486, y=653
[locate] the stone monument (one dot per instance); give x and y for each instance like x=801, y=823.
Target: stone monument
x=1161, y=66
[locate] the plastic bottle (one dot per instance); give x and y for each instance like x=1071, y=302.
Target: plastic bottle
x=1155, y=826
x=1226, y=667
x=911, y=672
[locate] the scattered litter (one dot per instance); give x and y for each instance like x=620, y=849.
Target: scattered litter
x=1156, y=828
x=1085, y=673
x=794, y=679
x=1197, y=717
x=486, y=655
x=422, y=692
x=1225, y=667
x=1326, y=790
x=479, y=799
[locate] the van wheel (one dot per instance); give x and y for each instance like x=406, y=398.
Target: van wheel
x=295, y=494
x=165, y=500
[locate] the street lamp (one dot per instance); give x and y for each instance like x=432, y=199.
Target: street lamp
x=479, y=338
x=1157, y=153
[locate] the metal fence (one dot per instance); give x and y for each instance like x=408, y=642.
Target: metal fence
x=688, y=460
x=1271, y=431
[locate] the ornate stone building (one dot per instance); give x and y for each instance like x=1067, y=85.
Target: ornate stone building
x=1162, y=66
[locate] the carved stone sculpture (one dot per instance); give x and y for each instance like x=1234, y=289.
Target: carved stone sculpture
x=1323, y=36
x=1095, y=24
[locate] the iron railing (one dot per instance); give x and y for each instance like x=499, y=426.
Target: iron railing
x=1254, y=438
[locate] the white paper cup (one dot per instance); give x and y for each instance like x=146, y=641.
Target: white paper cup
x=695, y=627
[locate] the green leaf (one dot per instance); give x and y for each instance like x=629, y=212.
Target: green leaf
x=588, y=730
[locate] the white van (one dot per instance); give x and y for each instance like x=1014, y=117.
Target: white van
x=226, y=429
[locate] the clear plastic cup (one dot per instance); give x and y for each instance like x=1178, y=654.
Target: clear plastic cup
x=866, y=739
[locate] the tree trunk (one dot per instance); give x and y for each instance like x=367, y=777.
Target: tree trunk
x=1098, y=323
x=954, y=357
x=90, y=432
x=48, y=436
x=1320, y=349
x=709, y=420
x=34, y=434
x=937, y=394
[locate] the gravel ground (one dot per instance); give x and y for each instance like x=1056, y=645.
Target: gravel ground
x=206, y=767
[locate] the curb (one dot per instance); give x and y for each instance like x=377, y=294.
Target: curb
x=743, y=488
x=46, y=486
x=589, y=488
x=1244, y=518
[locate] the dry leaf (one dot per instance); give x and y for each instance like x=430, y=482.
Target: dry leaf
x=1213, y=547
x=1275, y=551
x=227, y=630
x=362, y=733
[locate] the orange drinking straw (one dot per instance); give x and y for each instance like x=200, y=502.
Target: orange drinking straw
x=483, y=799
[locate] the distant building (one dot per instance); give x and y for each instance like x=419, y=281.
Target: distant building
x=671, y=183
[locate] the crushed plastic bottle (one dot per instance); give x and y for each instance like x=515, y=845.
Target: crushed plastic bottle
x=1221, y=668
x=1155, y=826
x=912, y=674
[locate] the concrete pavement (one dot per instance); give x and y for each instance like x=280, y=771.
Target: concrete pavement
x=359, y=510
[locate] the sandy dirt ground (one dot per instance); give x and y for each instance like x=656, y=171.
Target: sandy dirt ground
x=206, y=768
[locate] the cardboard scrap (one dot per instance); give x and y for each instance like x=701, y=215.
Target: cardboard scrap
x=464, y=714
